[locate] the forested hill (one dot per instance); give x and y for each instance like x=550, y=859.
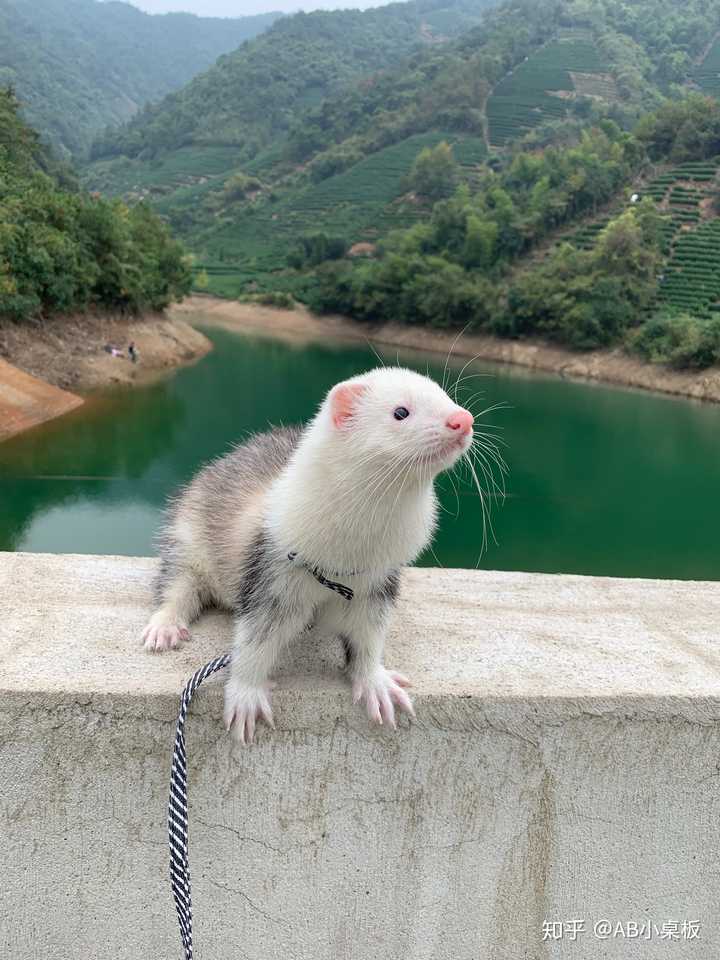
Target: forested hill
x=62, y=250
x=326, y=90
x=251, y=96
x=78, y=65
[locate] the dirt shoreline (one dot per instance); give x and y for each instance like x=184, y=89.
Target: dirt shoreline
x=300, y=326
x=69, y=352
x=45, y=367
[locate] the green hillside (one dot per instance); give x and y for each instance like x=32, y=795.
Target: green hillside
x=62, y=250
x=78, y=65
x=254, y=245
x=506, y=258
x=540, y=89
x=272, y=188
x=254, y=95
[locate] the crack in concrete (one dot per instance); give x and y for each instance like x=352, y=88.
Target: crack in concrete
x=250, y=902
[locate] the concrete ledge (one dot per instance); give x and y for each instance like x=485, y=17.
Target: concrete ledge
x=565, y=765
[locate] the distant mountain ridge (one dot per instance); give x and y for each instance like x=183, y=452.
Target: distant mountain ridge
x=255, y=93
x=78, y=65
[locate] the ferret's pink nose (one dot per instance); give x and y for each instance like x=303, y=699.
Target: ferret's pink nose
x=461, y=420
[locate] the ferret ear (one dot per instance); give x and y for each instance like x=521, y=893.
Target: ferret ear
x=343, y=401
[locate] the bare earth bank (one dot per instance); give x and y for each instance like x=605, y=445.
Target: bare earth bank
x=69, y=352
x=301, y=326
x=46, y=364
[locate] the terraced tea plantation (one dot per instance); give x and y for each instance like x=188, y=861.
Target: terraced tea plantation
x=691, y=277
x=680, y=193
x=540, y=87
x=586, y=236
x=187, y=167
x=691, y=281
x=362, y=203
x=707, y=75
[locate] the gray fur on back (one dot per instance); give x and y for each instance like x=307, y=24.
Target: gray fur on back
x=214, y=498
x=248, y=467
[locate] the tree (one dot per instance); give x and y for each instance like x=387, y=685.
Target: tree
x=434, y=173
x=63, y=250
x=480, y=240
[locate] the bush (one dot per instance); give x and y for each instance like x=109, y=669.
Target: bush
x=434, y=173
x=274, y=298
x=62, y=251
x=316, y=248
x=688, y=129
x=238, y=186
x=680, y=340
x=587, y=299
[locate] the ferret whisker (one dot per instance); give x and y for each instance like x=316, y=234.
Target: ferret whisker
x=442, y=506
x=487, y=516
x=493, y=489
x=491, y=445
x=377, y=355
x=367, y=486
x=492, y=451
x=486, y=459
x=467, y=402
x=460, y=375
x=457, y=496
x=397, y=495
x=355, y=468
x=501, y=405
x=483, y=510
x=388, y=487
x=472, y=376
x=435, y=557
x=493, y=436
x=449, y=354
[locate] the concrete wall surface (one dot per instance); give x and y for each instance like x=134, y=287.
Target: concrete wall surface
x=564, y=768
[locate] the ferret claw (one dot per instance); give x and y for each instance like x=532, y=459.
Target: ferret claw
x=382, y=693
x=244, y=706
x=160, y=636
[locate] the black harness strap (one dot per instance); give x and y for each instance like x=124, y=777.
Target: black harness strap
x=345, y=592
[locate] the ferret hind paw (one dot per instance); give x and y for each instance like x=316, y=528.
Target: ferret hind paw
x=244, y=707
x=161, y=634
x=381, y=693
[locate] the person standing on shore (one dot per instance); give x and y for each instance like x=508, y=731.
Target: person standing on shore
x=132, y=352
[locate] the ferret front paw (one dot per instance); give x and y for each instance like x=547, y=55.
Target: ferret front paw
x=163, y=634
x=244, y=706
x=381, y=692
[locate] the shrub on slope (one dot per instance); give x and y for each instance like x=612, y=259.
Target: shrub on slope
x=62, y=251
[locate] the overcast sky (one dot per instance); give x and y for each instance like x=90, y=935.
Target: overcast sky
x=240, y=8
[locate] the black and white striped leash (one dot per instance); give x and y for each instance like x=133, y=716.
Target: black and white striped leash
x=177, y=801
x=178, y=808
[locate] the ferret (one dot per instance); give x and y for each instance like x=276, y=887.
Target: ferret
x=310, y=527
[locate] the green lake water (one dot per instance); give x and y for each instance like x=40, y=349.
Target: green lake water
x=602, y=481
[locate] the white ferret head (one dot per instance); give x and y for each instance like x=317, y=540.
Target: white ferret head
x=396, y=415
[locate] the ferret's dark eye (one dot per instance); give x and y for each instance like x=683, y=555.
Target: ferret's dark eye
x=400, y=413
